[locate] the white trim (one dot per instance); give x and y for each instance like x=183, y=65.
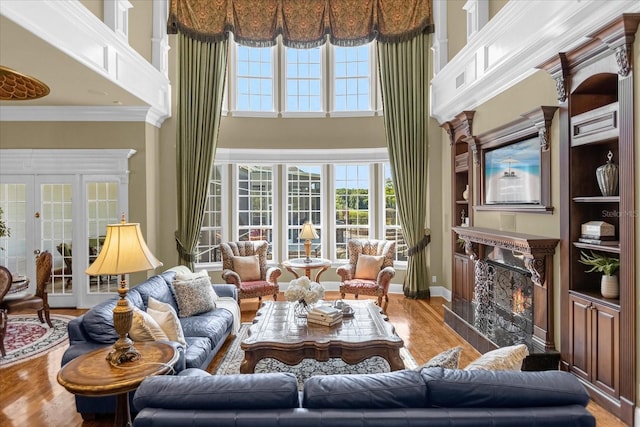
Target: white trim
x=314, y=156
x=440, y=291
x=116, y=16
x=81, y=114
x=74, y=30
x=523, y=35
x=636, y=422
x=64, y=161
x=160, y=39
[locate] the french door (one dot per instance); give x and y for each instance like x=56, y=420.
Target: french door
x=65, y=214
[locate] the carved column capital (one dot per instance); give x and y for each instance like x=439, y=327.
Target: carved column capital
x=536, y=268
x=622, y=58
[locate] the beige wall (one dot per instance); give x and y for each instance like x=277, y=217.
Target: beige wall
x=141, y=27
x=456, y=26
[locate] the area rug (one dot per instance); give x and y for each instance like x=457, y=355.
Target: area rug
x=27, y=338
x=231, y=361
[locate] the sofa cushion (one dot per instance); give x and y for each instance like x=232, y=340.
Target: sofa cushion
x=368, y=267
x=455, y=388
x=502, y=359
x=399, y=389
x=194, y=296
x=158, y=287
x=219, y=392
x=98, y=321
x=197, y=351
x=167, y=318
x=212, y=324
x=145, y=328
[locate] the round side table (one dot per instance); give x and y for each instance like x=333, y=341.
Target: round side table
x=300, y=263
x=92, y=375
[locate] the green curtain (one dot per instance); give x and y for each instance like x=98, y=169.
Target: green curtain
x=405, y=82
x=202, y=70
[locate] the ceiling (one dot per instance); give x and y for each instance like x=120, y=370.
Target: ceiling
x=71, y=82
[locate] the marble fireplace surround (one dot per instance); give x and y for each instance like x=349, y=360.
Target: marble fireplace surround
x=537, y=254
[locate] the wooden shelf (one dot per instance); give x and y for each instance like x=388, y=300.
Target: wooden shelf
x=597, y=199
x=596, y=297
x=602, y=248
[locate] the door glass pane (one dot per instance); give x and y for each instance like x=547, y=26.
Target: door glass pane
x=13, y=202
x=57, y=234
x=102, y=208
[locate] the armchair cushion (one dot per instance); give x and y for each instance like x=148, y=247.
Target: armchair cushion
x=368, y=266
x=194, y=296
x=247, y=267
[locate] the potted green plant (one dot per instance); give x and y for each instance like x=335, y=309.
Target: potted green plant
x=4, y=230
x=606, y=265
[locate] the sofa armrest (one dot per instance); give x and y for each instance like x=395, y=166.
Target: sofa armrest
x=76, y=331
x=344, y=271
x=226, y=291
x=273, y=273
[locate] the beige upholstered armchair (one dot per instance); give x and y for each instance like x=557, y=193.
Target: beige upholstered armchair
x=370, y=268
x=244, y=264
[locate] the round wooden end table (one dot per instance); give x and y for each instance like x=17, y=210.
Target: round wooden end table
x=301, y=263
x=92, y=375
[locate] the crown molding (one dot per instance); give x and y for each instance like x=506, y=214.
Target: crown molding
x=74, y=30
x=70, y=161
x=301, y=156
x=81, y=114
x=509, y=48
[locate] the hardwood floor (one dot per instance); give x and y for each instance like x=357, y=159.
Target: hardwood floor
x=31, y=396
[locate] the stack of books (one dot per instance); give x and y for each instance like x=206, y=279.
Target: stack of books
x=599, y=240
x=324, y=315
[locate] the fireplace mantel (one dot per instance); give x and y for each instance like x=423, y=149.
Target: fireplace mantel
x=537, y=254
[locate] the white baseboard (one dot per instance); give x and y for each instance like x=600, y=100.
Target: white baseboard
x=440, y=291
x=636, y=418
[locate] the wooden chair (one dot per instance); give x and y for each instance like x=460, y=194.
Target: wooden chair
x=370, y=268
x=5, y=283
x=244, y=264
x=37, y=301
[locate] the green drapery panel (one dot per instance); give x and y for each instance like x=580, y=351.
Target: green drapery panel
x=405, y=94
x=202, y=70
x=302, y=24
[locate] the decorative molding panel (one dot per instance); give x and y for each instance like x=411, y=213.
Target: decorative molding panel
x=508, y=49
x=81, y=114
x=65, y=161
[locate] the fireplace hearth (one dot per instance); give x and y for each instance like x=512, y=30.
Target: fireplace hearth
x=513, y=294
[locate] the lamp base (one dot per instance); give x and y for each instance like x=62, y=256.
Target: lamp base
x=307, y=250
x=123, y=351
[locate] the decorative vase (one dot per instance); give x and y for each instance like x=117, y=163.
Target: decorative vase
x=609, y=286
x=465, y=193
x=301, y=308
x=607, y=176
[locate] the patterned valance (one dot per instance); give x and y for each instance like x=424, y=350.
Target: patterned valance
x=301, y=23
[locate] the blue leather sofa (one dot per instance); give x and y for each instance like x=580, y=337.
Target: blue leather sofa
x=432, y=396
x=204, y=333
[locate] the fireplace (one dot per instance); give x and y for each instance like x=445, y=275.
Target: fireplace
x=513, y=294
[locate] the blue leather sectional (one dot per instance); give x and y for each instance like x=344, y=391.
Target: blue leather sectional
x=430, y=397
x=205, y=333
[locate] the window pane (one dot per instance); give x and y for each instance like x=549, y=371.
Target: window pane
x=255, y=204
x=392, y=230
x=303, y=68
x=352, y=205
x=254, y=78
x=304, y=195
x=208, y=245
x=352, y=78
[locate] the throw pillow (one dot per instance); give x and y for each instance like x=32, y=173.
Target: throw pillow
x=368, y=267
x=247, y=267
x=145, y=328
x=194, y=296
x=167, y=318
x=448, y=359
x=502, y=359
x=191, y=275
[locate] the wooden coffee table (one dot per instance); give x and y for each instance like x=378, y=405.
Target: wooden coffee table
x=277, y=333
x=92, y=375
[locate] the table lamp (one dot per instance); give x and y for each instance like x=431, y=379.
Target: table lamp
x=124, y=251
x=308, y=232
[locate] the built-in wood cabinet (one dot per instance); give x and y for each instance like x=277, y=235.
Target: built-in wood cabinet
x=462, y=145
x=595, y=90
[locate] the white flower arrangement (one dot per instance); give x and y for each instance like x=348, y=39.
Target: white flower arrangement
x=304, y=291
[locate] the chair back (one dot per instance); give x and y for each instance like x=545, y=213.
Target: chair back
x=245, y=248
x=44, y=264
x=6, y=279
x=386, y=248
